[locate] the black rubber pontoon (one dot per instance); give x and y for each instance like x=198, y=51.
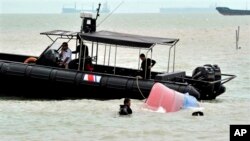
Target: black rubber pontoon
x=18, y=79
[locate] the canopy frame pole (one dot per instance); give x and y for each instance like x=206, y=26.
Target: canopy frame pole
x=115, y=58
x=174, y=57
x=97, y=52
x=151, y=63
x=80, y=55
x=84, y=57
x=51, y=38
x=53, y=42
x=169, y=56
x=109, y=54
x=92, y=49
x=60, y=37
x=139, y=59
x=105, y=54
x=69, y=39
x=146, y=65
x=76, y=49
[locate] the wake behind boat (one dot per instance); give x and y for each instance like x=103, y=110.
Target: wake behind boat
x=42, y=77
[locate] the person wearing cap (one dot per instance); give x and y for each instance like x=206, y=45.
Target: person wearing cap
x=65, y=55
x=84, y=58
x=85, y=50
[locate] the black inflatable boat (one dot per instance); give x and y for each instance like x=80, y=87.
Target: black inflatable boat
x=42, y=77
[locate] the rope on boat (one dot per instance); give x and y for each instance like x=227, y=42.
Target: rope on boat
x=137, y=82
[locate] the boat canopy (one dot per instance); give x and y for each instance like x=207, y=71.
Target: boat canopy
x=60, y=33
x=123, y=39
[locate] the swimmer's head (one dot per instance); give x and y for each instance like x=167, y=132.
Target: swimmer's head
x=127, y=101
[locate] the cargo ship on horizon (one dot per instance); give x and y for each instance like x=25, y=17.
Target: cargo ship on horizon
x=74, y=9
x=230, y=12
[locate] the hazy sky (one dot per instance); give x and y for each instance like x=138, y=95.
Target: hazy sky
x=55, y=6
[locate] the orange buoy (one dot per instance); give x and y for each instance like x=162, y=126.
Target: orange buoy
x=30, y=60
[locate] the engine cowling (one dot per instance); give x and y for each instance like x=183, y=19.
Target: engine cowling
x=209, y=73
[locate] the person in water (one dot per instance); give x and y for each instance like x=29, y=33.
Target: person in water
x=146, y=66
x=198, y=113
x=125, y=109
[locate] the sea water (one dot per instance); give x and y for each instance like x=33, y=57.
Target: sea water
x=205, y=38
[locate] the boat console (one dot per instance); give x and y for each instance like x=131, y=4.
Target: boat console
x=88, y=22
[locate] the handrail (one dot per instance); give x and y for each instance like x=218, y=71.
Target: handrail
x=223, y=81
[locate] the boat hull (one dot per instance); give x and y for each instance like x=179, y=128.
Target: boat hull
x=36, y=81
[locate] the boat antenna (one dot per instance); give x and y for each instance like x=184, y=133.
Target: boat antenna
x=111, y=13
x=98, y=11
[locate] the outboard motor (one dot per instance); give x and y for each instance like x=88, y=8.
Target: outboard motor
x=204, y=73
x=208, y=73
x=217, y=76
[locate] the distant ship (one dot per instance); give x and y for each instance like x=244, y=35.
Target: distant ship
x=228, y=11
x=104, y=9
x=70, y=10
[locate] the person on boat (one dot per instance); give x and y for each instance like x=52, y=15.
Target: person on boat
x=65, y=55
x=84, y=55
x=125, y=109
x=85, y=50
x=88, y=64
x=146, y=66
